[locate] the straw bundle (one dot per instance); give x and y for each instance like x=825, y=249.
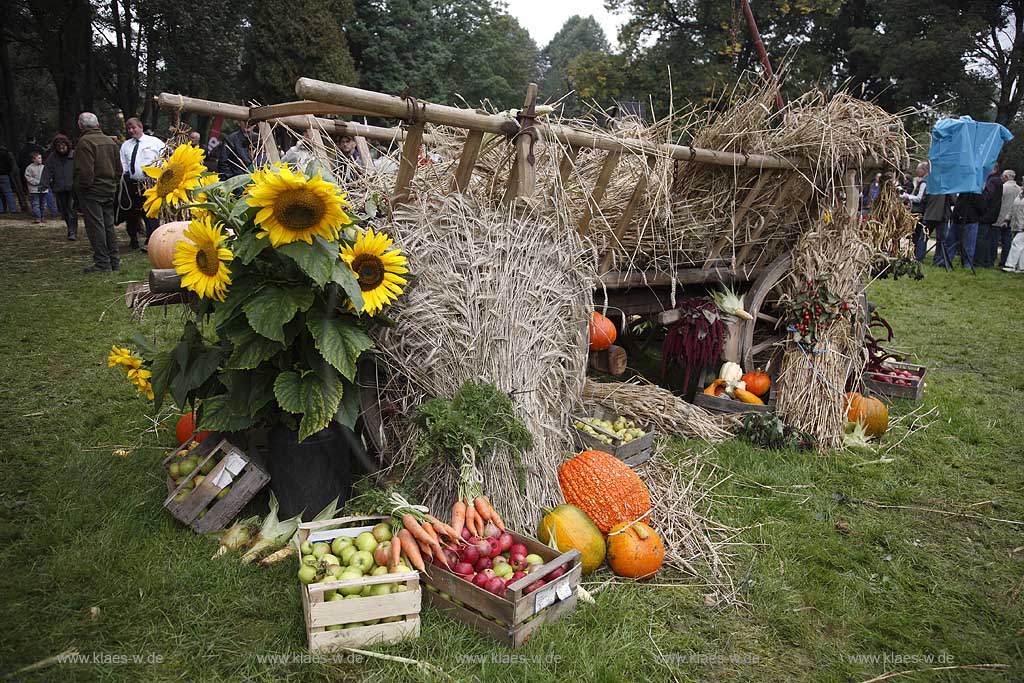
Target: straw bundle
x=650, y=404
x=498, y=298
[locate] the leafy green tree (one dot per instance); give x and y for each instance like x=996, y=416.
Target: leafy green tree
x=292, y=38
x=578, y=36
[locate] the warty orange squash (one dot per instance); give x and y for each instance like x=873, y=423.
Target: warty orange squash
x=606, y=489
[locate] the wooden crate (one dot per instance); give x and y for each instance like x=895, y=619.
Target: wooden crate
x=320, y=614
x=914, y=392
x=201, y=509
x=630, y=452
x=725, y=405
x=512, y=619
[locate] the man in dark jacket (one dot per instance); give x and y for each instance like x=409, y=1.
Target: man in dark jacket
x=97, y=170
x=988, y=242
x=236, y=151
x=59, y=176
x=935, y=213
x=963, y=234
x=7, y=166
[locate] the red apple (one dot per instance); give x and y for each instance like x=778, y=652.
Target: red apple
x=496, y=586
x=515, y=577
x=470, y=554
x=463, y=569
x=484, y=563
x=534, y=586
x=506, y=541
x=495, y=547
x=480, y=579
x=556, y=572
x=518, y=549
x=517, y=560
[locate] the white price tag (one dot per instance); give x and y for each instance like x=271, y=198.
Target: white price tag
x=547, y=595
x=563, y=591
x=236, y=463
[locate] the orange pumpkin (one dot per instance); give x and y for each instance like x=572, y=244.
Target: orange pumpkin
x=602, y=332
x=605, y=488
x=870, y=411
x=186, y=427
x=161, y=243
x=758, y=383
x=635, y=550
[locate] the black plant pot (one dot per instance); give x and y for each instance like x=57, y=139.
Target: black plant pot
x=306, y=476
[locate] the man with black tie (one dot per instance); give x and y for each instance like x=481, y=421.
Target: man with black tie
x=137, y=151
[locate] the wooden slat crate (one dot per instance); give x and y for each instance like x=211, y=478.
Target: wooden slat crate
x=207, y=508
x=632, y=452
x=512, y=619
x=320, y=615
x=725, y=405
x=915, y=392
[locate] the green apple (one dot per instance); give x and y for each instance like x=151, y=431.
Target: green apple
x=334, y=627
x=352, y=597
x=354, y=624
x=390, y=620
x=224, y=491
x=330, y=559
x=366, y=541
x=346, y=554
x=398, y=587
x=371, y=622
x=339, y=544
x=534, y=558
x=335, y=570
x=174, y=470
x=379, y=571
x=320, y=549
x=380, y=589
x=362, y=560
x=306, y=548
x=366, y=591
x=347, y=574
x=400, y=568
x=329, y=595
x=307, y=574
x=504, y=570
x=310, y=560
x=334, y=598
x=382, y=532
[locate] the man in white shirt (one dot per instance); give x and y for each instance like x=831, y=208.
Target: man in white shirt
x=137, y=151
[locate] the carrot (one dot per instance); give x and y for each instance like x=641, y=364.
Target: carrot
x=426, y=550
x=429, y=528
x=483, y=510
x=396, y=553
x=489, y=512
x=458, y=519
x=411, y=550
x=443, y=529
x=417, y=531
x=471, y=518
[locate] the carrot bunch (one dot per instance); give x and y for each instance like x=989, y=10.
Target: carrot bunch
x=473, y=514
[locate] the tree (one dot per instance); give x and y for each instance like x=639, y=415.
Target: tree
x=292, y=38
x=578, y=36
x=1000, y=47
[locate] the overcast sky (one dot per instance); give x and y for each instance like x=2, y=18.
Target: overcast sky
x=543, y=18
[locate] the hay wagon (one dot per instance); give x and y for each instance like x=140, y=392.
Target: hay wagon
x=742, y=238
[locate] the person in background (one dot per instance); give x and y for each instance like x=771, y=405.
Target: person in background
x=1015, y=259
x=992, y=196
x=36, y=189
x=59, y=174
x=25, y=155
x=962, y=236
x=212, y=155
x=194, y=137
x=138, y=151
x=7, y=166
x=236, y=151
x=1001, y=232
x=915, y=195
x=97, y=170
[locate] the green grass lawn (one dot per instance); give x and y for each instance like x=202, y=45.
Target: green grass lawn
x=83, y=528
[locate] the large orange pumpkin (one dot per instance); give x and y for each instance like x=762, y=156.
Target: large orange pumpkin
x=635, y=550
x=186, y=427
x=602, y=332
x=161, y=243
x=757, y=382
x=605, y=488
x=872, y=412
x=572, y=529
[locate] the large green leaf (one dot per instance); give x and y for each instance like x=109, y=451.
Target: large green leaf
x=219, y=417
x=340, y=339
x=248, y=391
x=348, y=407
x=247, y=247
x=316, y=260
x=312, y=396
x=343, y=275
x=202, y=367
x=251, y=349
x=241, y=290
x=162, y=368
x=272, y=307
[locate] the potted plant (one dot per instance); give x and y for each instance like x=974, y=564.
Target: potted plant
x=286, y=287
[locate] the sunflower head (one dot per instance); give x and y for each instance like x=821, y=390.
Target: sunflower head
x=123, y=357
x=178, y=175
x=293, y=207
x=202, y=262
x=378, y=266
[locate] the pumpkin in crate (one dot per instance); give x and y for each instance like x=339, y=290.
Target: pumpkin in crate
x=871, y=412
x=635, y=550
x=160, y=246
x=606, y=489
x=566, y=527
x=602, y=332
x=758, y=383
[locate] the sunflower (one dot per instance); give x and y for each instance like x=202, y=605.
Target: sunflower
x=141, y=379
x=295, y=208
x=378, y=269
x=119, y=356
x=202, y=263
x=199, y=196
x=179, y=174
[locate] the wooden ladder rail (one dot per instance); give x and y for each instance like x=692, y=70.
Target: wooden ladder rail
x=597, y=194
x=793, y=181
x=626, y=216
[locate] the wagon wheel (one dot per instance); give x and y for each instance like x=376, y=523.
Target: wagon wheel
x=760, y=337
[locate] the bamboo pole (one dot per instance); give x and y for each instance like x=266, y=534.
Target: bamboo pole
x=526, y=178
x=467, y=160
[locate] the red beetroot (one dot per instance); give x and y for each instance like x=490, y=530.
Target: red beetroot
x=505, y=541
x=451, y=556
x=480, y=579
x=517, y=576
x=517, y=561
x=482, y=546
x=466, y=534
x=518, y=549
x=463, y=569
x=484, y=563
x=491, y=530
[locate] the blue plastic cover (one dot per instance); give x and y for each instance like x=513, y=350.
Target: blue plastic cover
x=962, y=153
